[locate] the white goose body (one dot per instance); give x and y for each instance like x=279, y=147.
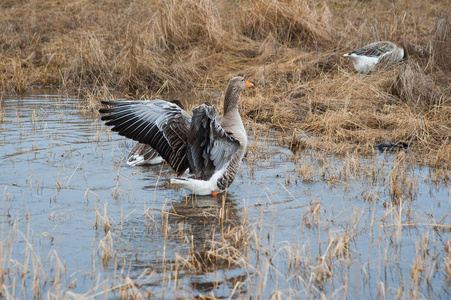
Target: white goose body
x=212, y=150
x=363, y=64
x=201, y=187
x=366, y=58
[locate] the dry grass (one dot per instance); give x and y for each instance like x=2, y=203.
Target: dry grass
x=290, y=49
x=290, y=22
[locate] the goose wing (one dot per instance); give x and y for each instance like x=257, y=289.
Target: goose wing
x=375, y=49
x=143, y=150
x=158, y=123
x=210, y=147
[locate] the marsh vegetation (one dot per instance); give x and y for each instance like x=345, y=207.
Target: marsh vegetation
x=291, y=49
x=316, y=211
x=77, y=222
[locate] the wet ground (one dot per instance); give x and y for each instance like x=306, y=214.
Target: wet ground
x=76, y=219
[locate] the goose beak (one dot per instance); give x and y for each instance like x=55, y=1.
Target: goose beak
x=249, y=84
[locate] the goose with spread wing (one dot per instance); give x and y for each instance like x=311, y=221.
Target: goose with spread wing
x=383, y=53
x=211, y=149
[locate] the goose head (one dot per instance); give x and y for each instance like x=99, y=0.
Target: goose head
x=235, y=86
x=239, y=83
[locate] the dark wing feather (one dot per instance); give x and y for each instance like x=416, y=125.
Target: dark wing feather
x=374, y=49
x=144, y=150
x=158, y=123
x=210, y=147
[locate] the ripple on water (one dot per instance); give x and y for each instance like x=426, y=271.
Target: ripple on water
x=298, y=226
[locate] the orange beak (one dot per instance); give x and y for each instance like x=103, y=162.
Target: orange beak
x=249, y=84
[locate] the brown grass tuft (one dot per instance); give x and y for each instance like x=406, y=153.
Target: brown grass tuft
x=182, y=24
x=291, y=49
x=298, y=22
x=414, y=87
x=441, y=43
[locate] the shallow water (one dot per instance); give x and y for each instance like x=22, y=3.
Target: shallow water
x=313, y=224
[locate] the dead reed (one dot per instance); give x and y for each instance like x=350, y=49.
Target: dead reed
x=354, y=226
x=291, y=49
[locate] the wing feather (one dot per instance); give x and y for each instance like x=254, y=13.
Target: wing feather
x=160, y=124
x=143, y=150
x=210, y=147
x=375, y=49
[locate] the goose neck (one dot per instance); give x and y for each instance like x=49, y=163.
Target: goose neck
x=231, y=100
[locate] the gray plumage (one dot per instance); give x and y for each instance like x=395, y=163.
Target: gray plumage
x=210, y=147
x=160, y=124
x=142, y=154
x=382, y=54
x=212, y=150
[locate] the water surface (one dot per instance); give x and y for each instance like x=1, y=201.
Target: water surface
x=76, y=219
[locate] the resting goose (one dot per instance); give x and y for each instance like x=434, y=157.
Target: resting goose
x=212, y=150
x=143, y=154
x=384, y=53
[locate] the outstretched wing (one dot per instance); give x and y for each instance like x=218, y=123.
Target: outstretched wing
x=375, y=49
x=158, y=123
x=210, y=147
x=144, y=150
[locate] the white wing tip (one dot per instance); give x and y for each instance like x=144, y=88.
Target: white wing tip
x=135, y=160
x=138, y=160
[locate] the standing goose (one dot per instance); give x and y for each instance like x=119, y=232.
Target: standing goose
x=384, y=53
x=144, y=154
x=212, y=150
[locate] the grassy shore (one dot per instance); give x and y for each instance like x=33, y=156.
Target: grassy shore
x=291, y=50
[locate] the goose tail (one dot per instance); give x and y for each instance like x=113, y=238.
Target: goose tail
x=196, y=186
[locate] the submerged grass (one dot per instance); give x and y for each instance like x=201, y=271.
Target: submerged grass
x=292, y=51
x=276, y=242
